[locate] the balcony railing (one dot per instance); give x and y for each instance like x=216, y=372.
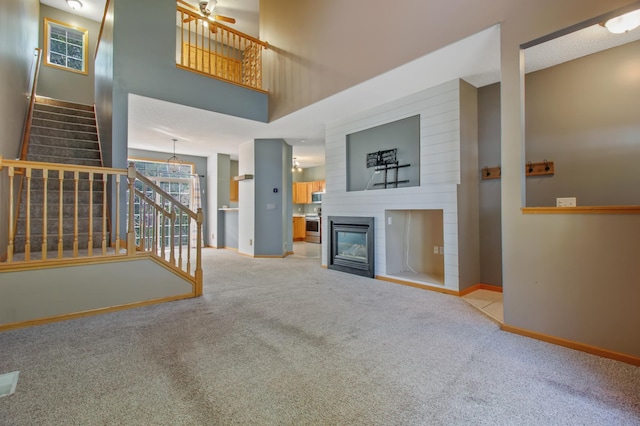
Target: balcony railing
x=218, y=51
x=64, y=217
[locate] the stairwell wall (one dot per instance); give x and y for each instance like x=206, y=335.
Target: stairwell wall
x=18, y=39
x=62, y=84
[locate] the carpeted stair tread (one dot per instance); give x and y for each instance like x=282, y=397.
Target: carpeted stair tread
x=65, y=160
x=64, y=111
x=52, y=241
x=59, y=116
x=67, y=134
x=63, y=142
x=41, y=100
x=55, y=151
x=63, y=125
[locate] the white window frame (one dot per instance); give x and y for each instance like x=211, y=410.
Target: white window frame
x=49, y=26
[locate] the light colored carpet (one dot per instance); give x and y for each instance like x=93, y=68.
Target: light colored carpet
x=283, y=341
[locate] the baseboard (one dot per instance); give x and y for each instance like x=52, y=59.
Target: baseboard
x=480, y=286
x=417, y=285
x=98, y=311
x=605, y=353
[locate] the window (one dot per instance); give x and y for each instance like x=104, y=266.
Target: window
x=65, y=46
x=179, y=184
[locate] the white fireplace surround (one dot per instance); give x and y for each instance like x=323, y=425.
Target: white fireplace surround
x=446, y=148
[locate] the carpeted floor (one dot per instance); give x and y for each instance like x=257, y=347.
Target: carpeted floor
x=283, y=341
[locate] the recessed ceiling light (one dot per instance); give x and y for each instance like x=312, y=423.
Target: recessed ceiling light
x=74, y=4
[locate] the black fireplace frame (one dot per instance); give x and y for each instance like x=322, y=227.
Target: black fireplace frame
x=351, y=224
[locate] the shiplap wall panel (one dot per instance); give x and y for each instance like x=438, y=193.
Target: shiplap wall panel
x=439, y=110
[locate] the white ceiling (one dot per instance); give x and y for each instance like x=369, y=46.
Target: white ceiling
x=153, y=123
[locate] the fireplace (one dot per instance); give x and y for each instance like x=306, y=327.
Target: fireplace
x=351, y=245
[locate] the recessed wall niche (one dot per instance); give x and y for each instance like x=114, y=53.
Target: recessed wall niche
x=385, y=156
x=414, y=243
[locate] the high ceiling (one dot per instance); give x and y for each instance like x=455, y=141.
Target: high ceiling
x=153, y=123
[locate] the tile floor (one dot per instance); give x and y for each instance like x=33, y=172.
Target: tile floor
x=487, y=301
x=308, y=250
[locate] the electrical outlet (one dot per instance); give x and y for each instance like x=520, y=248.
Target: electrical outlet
x=389, y=220
x=566, y=202
x=441, y=250
x=250, y=242
x=435, y=249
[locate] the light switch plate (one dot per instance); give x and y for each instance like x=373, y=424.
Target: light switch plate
x=566, y=202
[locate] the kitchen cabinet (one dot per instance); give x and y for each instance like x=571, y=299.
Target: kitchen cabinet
x=302, y=191
x=299, y=228
x=233, y=190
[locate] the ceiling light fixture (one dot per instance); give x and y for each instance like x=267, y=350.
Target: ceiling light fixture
x=623, y=23
x=74, y=4
x=296, y=166
x=174, y=163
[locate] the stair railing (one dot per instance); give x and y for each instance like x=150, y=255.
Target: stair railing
x=166, y=220
x=165, y=227
x=215, y=50
x=32, y=100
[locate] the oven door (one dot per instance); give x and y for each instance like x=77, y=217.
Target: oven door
x=313, y=230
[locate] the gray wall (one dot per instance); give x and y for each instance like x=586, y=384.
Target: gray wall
x=18, y=39
x=489, y=195
x=137, y=55
x=585, y=116
x=401, y=134
x=557, y=279
x=468, y=199
x=66, y=85
x=273, y=220
x=200, y=164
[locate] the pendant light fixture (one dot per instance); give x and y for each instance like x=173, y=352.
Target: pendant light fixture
x=174, y=163
x=296, y=166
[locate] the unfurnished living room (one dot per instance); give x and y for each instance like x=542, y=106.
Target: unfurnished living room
x=357, y=212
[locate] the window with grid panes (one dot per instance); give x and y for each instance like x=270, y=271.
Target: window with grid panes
x=176, y=183
x=65, y=46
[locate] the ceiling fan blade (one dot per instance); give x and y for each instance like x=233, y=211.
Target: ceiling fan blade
x=224, y=19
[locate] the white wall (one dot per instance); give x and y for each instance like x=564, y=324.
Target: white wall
x=246, y=199
x=439, y=109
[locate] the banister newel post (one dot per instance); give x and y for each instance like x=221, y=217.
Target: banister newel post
x=131, y=235
x=198, y=271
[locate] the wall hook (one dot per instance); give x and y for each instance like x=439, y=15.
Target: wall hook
x=530, y=167
x=546, y=165
x=487, y=172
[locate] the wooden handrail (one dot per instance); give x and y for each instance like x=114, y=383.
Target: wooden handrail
x=32, y=100
x=165, y=194
x=21, y=164
x=104, y=18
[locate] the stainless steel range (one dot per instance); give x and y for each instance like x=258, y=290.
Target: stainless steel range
x=313, y=225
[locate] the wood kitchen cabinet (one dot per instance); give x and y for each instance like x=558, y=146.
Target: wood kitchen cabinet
x=299, y=228
x=302, y=191
x=233, y=190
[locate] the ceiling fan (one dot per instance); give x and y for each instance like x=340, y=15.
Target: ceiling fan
x=206, y=9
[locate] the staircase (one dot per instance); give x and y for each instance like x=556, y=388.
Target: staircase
x=66, y=133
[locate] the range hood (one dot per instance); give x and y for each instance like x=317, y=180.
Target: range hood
x=243, y=177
